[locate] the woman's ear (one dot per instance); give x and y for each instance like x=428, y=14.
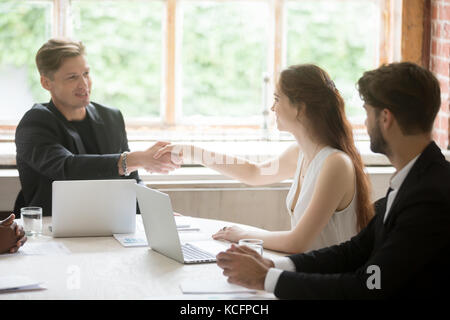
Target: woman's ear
x=301, y=110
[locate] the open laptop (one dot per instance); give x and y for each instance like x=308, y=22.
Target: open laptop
x=86, y=208
x=161, y=230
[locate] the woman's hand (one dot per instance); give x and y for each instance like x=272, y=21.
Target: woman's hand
x=233, y=234
x=175, y=151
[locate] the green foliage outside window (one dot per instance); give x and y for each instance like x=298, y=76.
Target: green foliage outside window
x=124, y=48
x=337, y=36
x=24, y=27
x=224, y=57
x=224, y=47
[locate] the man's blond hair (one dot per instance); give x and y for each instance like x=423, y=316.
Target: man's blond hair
x=52, y=54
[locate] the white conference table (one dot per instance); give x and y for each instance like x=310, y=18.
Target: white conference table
x=101, y=268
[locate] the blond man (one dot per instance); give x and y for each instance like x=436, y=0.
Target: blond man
x=71, y=137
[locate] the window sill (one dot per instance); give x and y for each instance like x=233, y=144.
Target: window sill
x=256, y=151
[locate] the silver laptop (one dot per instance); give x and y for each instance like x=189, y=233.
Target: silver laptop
x=161, y=230
x=86, y=208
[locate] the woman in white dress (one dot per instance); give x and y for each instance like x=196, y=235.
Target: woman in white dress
x=329, y=198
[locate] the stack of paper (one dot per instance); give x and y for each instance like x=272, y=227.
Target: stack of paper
x=18, y=283
x=131, y=239
x=138, y=239
x=212, y=287
x=40, y=248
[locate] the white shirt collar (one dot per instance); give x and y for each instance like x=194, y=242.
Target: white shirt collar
x=399, y=177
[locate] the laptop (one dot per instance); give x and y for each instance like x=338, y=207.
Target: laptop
x=87, y=208
x=161, y=230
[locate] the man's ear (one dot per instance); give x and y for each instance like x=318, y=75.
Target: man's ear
x=46, y=83
x=386, y=119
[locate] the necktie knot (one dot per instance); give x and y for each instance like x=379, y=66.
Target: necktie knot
x=389, y=191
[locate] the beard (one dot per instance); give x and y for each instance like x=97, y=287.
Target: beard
x=377, y=143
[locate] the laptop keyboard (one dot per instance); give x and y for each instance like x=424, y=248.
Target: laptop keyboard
x=193, y=254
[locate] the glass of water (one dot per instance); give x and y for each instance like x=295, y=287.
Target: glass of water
x=32, y=220
x=255, y=244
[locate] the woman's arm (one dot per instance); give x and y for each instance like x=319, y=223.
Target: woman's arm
x=334, y=186
x=271, y=171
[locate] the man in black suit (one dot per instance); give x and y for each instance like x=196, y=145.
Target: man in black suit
x=405, y=249
x=72, y=138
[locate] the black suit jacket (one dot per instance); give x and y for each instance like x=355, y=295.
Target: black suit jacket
x=48, y=148
x=412, y=249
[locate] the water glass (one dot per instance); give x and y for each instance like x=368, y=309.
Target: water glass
x=32, y=220
x=255, y=244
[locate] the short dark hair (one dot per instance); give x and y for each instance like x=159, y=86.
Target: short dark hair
x=409, y=91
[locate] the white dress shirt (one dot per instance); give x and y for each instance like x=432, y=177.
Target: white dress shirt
x=395, y=184
x=286, y=264
x=281, y=264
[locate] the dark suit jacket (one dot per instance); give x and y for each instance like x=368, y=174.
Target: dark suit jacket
x=412, y=249
x=49, y=149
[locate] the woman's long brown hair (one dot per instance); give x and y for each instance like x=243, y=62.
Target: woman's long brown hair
x=310, y=86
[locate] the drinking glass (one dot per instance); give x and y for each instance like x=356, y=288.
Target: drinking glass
x=32, y=220
x=255, y=244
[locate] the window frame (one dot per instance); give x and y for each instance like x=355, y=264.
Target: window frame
x=61, y=27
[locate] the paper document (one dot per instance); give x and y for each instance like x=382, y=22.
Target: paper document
x=18, y=283
x=44, y=248
x=131, y=239
x=212, y=287
x=186, y=227
x=138, y=239
x=40, y=248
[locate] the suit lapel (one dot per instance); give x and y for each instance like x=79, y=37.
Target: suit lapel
x=412, y=179
x=77, y=139
x=98, y=127
x=73, y=133
x=409, y=180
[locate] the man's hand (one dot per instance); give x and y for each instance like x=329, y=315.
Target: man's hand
x=12, y=236
x=163, y=164
x=177, y=152
x=244, y=266
x=247, y=250
x=145, y=159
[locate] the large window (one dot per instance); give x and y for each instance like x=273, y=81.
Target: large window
x=224, y=56
x=124, y=49
x=340, y=36
x=24, y=27
x=190, y=62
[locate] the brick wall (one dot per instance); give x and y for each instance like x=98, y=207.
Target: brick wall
x=440, y=65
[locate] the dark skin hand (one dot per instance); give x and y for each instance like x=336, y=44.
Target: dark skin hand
x=244, y=266
x=12, y=236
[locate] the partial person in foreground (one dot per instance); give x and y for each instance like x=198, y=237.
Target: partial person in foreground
x=405, y=249
x=329, y=201
x=12, y=236
x=71, y=137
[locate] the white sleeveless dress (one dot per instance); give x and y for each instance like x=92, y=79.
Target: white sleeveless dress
x=342, y=224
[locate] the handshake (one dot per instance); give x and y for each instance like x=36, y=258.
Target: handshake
x=159, y=158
